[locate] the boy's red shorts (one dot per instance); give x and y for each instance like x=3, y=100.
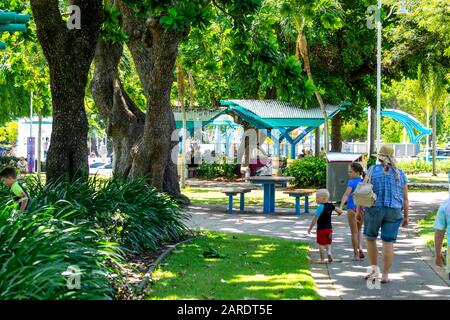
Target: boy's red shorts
x=324, y=236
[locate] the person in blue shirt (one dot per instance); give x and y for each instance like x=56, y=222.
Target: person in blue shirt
x=441, y=227
x=389, y=212
x=355, y=172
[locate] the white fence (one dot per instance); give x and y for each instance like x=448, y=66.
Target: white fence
x=402, y=150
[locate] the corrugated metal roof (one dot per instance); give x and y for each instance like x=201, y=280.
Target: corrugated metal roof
x=275, y=109
x=197, y=115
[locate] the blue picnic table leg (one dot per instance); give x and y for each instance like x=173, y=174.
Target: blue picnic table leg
x=306, y=204
x=267, y=198
x=230, y=203
x=242, y=202
x=297, y=205
x=272, y=197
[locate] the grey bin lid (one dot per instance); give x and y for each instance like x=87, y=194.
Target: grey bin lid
x=343, y=157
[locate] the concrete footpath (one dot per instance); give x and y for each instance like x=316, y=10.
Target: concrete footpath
x=412, y=276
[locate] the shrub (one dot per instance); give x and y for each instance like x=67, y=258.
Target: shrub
x=82, y=223
x=130, y=212
x=36, y=250
x=443, y=166
x=419, y=166
x=415, y=166
x=215, y=170
x=308, y=172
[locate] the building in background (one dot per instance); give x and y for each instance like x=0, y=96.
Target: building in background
x=24, y=133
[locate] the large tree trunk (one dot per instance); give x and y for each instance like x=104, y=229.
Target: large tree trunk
x=144, y=146
x=69, y=54
x=336, y=133
x=317, y=142
x=124, y=120
x=154, y=157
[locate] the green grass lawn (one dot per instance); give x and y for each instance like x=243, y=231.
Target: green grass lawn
x=427, y=177
x=426, y=229
x=236, y=267
x=425, y=189
x=199, y=195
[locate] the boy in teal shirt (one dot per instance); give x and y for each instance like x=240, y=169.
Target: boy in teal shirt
x=9, y=178
x=441, y=226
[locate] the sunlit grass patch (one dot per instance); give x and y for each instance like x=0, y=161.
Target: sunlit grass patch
x=426, y=229
x=236, y=266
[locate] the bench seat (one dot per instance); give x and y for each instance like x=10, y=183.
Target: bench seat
x=300, y=193
x=233, y=191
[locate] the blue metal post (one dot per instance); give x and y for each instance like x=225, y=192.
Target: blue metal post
x=267, y=198
x=293, y=155
x=241, y=207
x=306, y=204
x=230, y=203
x=272, y=197
x=297, y=205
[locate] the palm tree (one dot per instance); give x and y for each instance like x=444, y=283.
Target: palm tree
x=299, y=15
x=432, y=91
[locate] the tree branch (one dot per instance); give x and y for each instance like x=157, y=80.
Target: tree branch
x=235, y=18
x=49, y=23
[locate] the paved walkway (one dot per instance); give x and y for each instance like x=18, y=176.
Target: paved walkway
x=412, y=277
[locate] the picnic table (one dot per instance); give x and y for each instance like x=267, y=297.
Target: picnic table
x=268, y=183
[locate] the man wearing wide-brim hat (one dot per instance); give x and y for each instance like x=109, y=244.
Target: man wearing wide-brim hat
x=389, y=212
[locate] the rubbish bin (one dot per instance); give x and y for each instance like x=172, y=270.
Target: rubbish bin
x=337, y=172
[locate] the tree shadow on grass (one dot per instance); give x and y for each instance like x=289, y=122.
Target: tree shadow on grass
x=251, y=267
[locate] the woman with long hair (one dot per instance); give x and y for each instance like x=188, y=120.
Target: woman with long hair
x=389, y=212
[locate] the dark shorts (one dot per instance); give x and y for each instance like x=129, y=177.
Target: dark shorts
x=384, y=218
x=324, y=236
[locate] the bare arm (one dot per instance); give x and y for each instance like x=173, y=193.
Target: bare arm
x=438, y=240
x=338, y=210
x=345, y=197
x=23, y=202
x=405, y=206
x=313, y=223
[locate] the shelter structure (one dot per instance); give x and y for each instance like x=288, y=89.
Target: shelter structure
x=278, y=118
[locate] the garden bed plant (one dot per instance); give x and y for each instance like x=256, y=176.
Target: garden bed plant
x=93, y=225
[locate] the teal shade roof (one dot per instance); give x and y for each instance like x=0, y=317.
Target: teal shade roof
x=274, y=109
x=270, y=114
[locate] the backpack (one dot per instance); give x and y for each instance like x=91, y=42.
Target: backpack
x=363, y=194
